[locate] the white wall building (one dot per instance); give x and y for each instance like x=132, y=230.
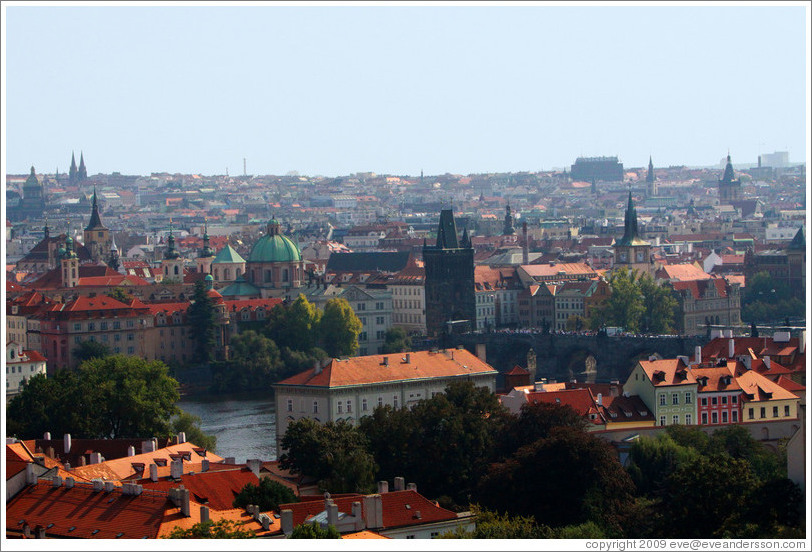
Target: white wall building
x=20, y=366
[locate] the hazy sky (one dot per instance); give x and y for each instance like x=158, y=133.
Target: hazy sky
x=338, y=89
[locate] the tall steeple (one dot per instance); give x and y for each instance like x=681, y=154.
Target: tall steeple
x=206, y=251
x=82, y=174
x=72, y=173
x=171, y=252
x=728, y=176
x=447, y=231
x=95, y=219
x=629, y=224
x=650, y=173
x=508, y=229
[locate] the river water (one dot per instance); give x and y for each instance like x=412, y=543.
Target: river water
x=245, y=426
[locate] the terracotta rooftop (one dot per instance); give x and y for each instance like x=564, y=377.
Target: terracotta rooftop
x=670, y=371
x=122, y=468
x=758, y=388
x=581, y=400
x=215, y=489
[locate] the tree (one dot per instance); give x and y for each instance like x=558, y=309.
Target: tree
x=396, y=341
x=534, y=422
x=221, y=529
x=268, y=495
x=579, y=470
x=91, y=349
x=660, y=306
x=625, y=305
x=105, y=398
x=493, y=525
x=652, y=459
x=202, y=317
x=314, y=531
x=255, y=362
x=334, y=453
x=766, y=299
x=119, y=294
x=339, y=328
x=190, y=425
x=737, y=442
x=295, y=326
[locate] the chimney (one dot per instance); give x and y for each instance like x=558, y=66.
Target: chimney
x=204, y=514
x=66, y=446
x=184, y=505
x=411, y=487
x=697, y=355
x=480, y=351
x=98, y=484
x=50, y=452
x=47, y=436
x=146, y=446
x=126, y=488
x=525, y=245
x=332, y=513
x=181, y=437
x=40, y=532
x=802, y=342
x=317, y=368
x=137, y=489
x=409, y=358
x=109, y=486
x=766, y=360
x=69, y=482
x=27, y=531
x=383, y=487
x=204, y=465
x=265, y=521
x=230, y=460
x=30, y=477
x=731, y=348
x=67, y=466
x=131, y=451
x=614, y=388
x=57, y=481
x=95, y=458
x=358, y=514
x=153, y=472
x=254, y=464
x=176, y=469
x=286, y=521
x=82, y=460
x=385, y=361
x=400, y=483
x=599, y=399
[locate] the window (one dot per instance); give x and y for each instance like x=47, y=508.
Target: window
x=116, y=324
x=380, y=401
x=688, y=399
x=315, y=407
x=362, y=306
x=364, y=405
x=688, y=419
x=735, y=416
x=379, y=306
x=786, y=410
x=91, y=326
x=662, y=400
x=724, y=399
x=379, y=320
x=714, y=401
x=77, y=327
x=130, y=350
x=130, y=323
x=775, y=412
x=674, y=398
x=102, y=325
x=750, y=413
x=117, y=337
x=77, y=339
x=340, y=407
x=675, y=419
x=763, y=412
x=395, y=401
x=662, y=420
x=704, y=401
x=130, y=337
x=290, y=405
x=704, y=418
x=734, y=399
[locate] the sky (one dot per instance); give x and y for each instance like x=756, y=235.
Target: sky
x=334, y=90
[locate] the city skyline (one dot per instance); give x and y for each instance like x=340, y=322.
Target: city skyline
x=396, y=90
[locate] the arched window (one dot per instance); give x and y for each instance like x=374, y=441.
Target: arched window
x=284, y=274
x=267, y=275
x=238, y=273
x=176, y=270
x=73, y=273
x=217, y=274
x=166, y=271
x=227, y=274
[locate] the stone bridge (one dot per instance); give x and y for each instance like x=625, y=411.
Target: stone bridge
x=593, y=358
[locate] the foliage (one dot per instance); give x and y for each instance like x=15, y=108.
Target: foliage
x=636, y=304
x=91, y=349
x=443, y=443
x=106, y=398
x=202, y=317
x=576, y=323
x=295, y=326
x=314, y=531
x=660, y=307
x=190, y=425
x=396, y=341
x=268, y=495
x=580, y=471
x=334, y=453
x=339, y=328
x=255, y=362
x=651, y=459
x=119, y=294
x=766, y=299
x=221, y=529
x=536, y=421
x=493, y=525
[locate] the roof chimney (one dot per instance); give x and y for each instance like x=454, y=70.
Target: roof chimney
x=204, y=465
x=286, y=521
x=385, y=361
x=66, y=447
x=802, y=342
x=109, y=486
x=153, y=472
x=731, y=348
x=317, y=368
x=332, y=513
x=400, y=483
x=265, y=521
x=176, y=469
x=697, y=355
x=69, y=481
x=50, y=452
x=409, y=357
x=146, y=446
x=131, y=451
x=204, y=514
x=181, y=437
x=98, y=484
x=57, y=481
x=47, y=436
x=411, y=487
x=184, y=504
x=254, y=464
x=766, y=360
x=358, y=514
x=95, y=458
x=599, y=399
x=383, y=487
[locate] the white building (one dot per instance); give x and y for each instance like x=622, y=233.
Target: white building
x=20, y=366
x=351, y=389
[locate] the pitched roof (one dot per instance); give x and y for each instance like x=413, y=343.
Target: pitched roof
x=123, y=468
x=720, y=378
x=371, y=369
x=626, y=409
x=548, y=270
x=228, y=255
x=215, y=489
x=758, y=388
x=669, y=371
x=699, y=288
x=581, y=400
x=517, y=371
x=681, y=272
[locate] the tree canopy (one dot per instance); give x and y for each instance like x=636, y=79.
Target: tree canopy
x=202, y=317
x=766, y=299
x=105, y=398
x=314, y=531
x=91, y=349
x=268, y=495
x=190, y=425
x=636, y=304
x=396, y=341
x=221, y=529
x=339, y=328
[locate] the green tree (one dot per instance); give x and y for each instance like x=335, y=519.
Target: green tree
x=493, y=525
x=91, y=349
x=221, y=529
x=334, y=453
x=534, y=422
x=202, y=317
x=737, y=442
x=119, y=294
x=652, y=459
x=190, y=425
x=625, y=306
x=396, y=341
x=105, y=398
x=295, y=326
x=766, y=299
x=268, y=495
x=255, y=362
x=339, y=328
x=660, y=306
x=314, y=531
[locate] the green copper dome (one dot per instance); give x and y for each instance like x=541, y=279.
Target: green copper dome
x=273, y=247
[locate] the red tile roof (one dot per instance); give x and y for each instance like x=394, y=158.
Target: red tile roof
x=371, y=369
x=669, y=371
x=789, y=384
x=758, y=388
x=517, y=371
x=699, y=288
x=13, y=467
x=215, y=489
x=682, y=272
x=581, y=400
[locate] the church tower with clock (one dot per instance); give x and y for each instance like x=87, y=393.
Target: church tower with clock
x=631, y=251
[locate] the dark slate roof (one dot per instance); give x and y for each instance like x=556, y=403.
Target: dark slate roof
x=447, y=231
x=799, y=241
x=393, y=261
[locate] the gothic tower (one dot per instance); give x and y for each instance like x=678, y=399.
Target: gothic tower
x=172, y=264
x=508, y=229
x=631, y=251
x=730, y=189
x=70, y=264
x=96, y=235
x=73, y=172
x=651, y=183
x=82, y=173
x=449, y=280
x=206, y=254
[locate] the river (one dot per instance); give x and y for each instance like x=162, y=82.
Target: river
x=245, y=425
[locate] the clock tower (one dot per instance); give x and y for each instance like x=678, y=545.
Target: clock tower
x=631, y=251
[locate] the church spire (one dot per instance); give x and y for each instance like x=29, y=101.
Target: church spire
x=629, y=224
x=447, y=231
x=95, y=219
x=73, y=171
x=171, y=253
x=650, y=174
x=82, y=173
x=206, y=252
x=508, y=229
x=728, y=176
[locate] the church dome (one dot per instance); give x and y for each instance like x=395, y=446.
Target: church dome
x=273, y=247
